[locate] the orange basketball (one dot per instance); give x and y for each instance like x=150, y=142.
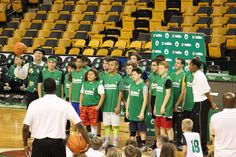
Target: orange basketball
x=19, y=48
x=76, y=143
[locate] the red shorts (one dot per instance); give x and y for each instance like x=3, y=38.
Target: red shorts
x=89, y=115
x=163, y=122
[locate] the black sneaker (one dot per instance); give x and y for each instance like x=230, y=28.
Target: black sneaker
x=179, y=148
x=154, y=146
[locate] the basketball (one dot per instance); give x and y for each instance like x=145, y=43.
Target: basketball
x=76, y=143
x=19, y=48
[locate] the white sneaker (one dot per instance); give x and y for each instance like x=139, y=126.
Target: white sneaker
x=115, y=142
x=7, y=88
x=106, y=142
x=23, y=88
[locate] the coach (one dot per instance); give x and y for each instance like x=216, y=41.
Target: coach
x=222, y=126
x=202, y=102
x=46, y=119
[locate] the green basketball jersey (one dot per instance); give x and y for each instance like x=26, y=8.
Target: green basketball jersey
x=136, y=100
x=77, y=80
x=10, y=72
x=113, y=84
x=177, y=81
x=188, y=102
x=91, y=96
x=160, y=95
x=57, y=76
x=127, y=82
x=102, y=74
x=86, y=68
x=153, y=77
x=66, y=86
x=33, y=74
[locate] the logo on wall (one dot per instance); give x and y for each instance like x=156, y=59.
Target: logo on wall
x=197, y=45
x=186, y=53
x=157, y=43
x=186, y=36
x=166, y=51
x=176, y=44
x=167, y=35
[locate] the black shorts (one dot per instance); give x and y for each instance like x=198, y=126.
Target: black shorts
x=137, y=126
x=100, y=115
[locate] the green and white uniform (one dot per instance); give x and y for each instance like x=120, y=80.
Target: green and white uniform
x=153, y=82
x=193, y=143
x=78, y=78
x=160, y=95
x=137, y=93
x=113, y=84
x=66, y=86
x=91, y=91
x=86, y=68
x=127, y=82
x=188, y=101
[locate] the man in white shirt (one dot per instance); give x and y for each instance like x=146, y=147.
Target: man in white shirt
x=203, y=101
x=223, y=128
x=46, y=119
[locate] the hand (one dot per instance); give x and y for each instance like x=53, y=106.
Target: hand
x=154, y=111
x=97, y=108
x=127, y=114
x=141, y=116
x=214, y=106
x=117, y=110
x=27, y=150
x=176, y=108
x=86, y=149
x=163, y=110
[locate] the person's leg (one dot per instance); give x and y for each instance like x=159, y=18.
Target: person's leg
x=204, y=110
x=132, y=130
x=115, y=120
x=187, y=114
x=40, y=148
x=107, y=125
x=167, y=126
x=84, y=115
x=195, y=117
x=57, y=148
x=93, y=118
x=142, y=130
x=179, y=130
x=99, y=122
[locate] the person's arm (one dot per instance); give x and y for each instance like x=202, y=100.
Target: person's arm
x=213, y=104
x=168, y=85
x=101, y=92
x=149, y=100
x=70, y=92
x=25, y=134
x=84, y=133
x=81, y=95
x=127, y=106
x=40, y=80
x=117, y=109
x=21, y=72
x=62, y=85
x=181, y=96
x=144, y=105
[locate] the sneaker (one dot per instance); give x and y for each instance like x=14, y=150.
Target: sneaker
x=7, y=88
x=154, y=146
x=23, y=88
x=143, y=148
x=106, y=142
x=179, y=148
x=115, y=142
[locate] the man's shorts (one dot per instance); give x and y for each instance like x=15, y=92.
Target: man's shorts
x=111, y=118
x=76, y=107
x=163, y=122
x=89, y=115
x=137, y=126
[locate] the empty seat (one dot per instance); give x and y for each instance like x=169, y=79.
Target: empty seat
x=68, y=34
x=51, y=42
x=59, y=51
x=85, y=27
x=44, y=33
x=45, y=7
x=190, y=11
x=68, y=7
x=41, y=16
x=31, y=33
x=144, y=37
x=141, y=23
x=38, y=42
x=219, y=22
x=117, y=8
x=175, y=21
x=36, y=25
x=231, y=22
x=176, y=29
x=104, y=8
x=27, y=41
x=19, y=33
x=231, y=12
x=7, y=32
x=206, y=31
x=216, y=50
x=29, y=16
x=189, y=21
x=81, y=35
x=231, y=39
x=55, y=34
x=144, y=13
x=64, y=17
x=52, y=15
x=64, y=43
x=57, y=7
x=25, y=25
x=92, y=8
x=60, y=26
x=204, y=11
x=190, y=29
x=3, y=40
x=204, y=22
x=90, y=18
x=12, y=41
x=218, y=31
x=74, y=51
x=12, y=24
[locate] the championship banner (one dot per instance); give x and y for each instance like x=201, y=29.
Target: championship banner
x=178, y=45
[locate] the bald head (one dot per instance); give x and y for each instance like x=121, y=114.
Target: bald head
x=229, y=100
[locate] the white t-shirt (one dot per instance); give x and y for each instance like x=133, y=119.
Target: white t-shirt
x=90, y=153
x=47, y=117
x=200, y=86
x=194, y=148
x=224, y=129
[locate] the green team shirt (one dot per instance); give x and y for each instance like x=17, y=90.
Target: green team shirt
x=153, y=77
x=33, y=75
x=78, y=78
x=91, y=95
x=127, y=81
x=137, y=92
x=57, y=75
x=86, y=68
x=177, y=81
x=113, y=84
x=188, y=102
x=102, y=74
x=66, y=86
x=10, y=73
x=160, y=95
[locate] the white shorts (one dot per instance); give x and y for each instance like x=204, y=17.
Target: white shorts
x=110, y=118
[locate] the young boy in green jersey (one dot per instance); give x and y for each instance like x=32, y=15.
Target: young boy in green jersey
x=92, y=95
x=85, y=66
x=13, y=83
x=54, y=73
x=164, y=101
x=136, y=106
x=70, y=67
x=188, y=97
x=127, y=79
x=113, y=84
x=77, y=78
x=153, y=77
x=177, y=78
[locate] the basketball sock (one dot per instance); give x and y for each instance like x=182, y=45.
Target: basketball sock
x=107, y=131
x=94, y=130
x=116, y=131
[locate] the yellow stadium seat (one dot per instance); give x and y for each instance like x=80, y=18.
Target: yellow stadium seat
x=74, y=51
x=59, y=50
x=215, y=48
